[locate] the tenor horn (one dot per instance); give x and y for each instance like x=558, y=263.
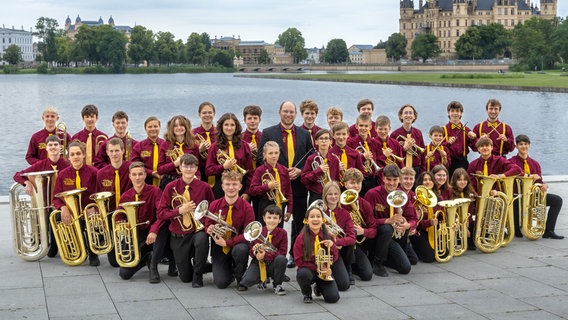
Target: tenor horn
x=97, y=224
x=414, y=149
x=533, y=208
x=186, y=220
x=221, y=227
x=324, y=260
x=222, y=156
x=125, y=234
x=253, y=231
x=444, y=232
x=275, y=194
x=349, y=198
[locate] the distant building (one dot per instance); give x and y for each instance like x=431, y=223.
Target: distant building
x=72, y=29
x=356, y=52
x=21, y=38
x=374, y=56
x=313, y=56
x=250, y=50
x=449, y=19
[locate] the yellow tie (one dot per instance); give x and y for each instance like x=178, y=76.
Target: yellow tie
x=137, y=197
x=262, y=265
x=333, y=216
x=526, y=167
x=253, y=140
x=180, y=145
x=210, y=179
x=186, y=220
x=53, y=179
x=485, y=169
x=366, y=146
x=228, y=220
x=278, y=200
x=89, y=148
x=344, y=158
x=116, y=187
x=385, y=145
x=456, y=126
x=77, y=180
x=408, y=162
x=155, y=181
x=290, y=144
x=316, y=245
x=232, y=153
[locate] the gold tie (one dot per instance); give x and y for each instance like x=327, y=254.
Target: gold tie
x=89, y=148
x=333, y=216
x=253, y=140
x=262, y=265
x=155, y=181
x=344, y=158
x=77, y=180
x=137, y=197
x=456, y=126
x=290, y=145
x=485, y=169
x=278, y=200
x=316, y=245
x=526, y=167
x=385, y=145
x=228, y=220
x=53, y=179
x=180, y=145
x=210, y=179
x=408, y=162
x=116, y=187
x=232, y=153
x=186, y=220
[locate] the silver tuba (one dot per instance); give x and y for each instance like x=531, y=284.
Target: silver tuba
x=221, y=227
x=253, y=231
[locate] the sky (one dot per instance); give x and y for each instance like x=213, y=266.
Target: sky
x=356, y=22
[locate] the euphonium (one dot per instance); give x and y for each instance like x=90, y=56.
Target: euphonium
x=349, y=198
x=221, y=227
x=29, y=216
x=460, y=239
x=222, y=156
x=253, y=231
x=424, y=198
x=324, y=260
x=491, y=216
x=316, y=163
x=267, y=178
x=506, y=185
x=69, y=238
x=397, y=199
x=533, y=208
x=186, y=220
x=415, y=148
x=61, y=133
x=370, y=165
x=200, y=138
x=98, y=229
x=444, y=232
x=125, y=234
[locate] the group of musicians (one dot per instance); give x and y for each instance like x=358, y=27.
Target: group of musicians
x=204, y=186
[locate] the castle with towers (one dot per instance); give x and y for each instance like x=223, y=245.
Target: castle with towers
x=72, y=29
x=449, y=19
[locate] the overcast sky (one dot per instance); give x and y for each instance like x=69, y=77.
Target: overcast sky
x=356, y=22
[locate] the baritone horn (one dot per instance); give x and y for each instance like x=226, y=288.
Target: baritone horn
x=397, y=199
x=186, y=220
x=491, y=216
x=274, y=194
x=222, y=156
x=30, y=216
x=462, y=221
x=125, y=234
x=253, y=231
x=533, y=208
x=221, y=227
x=97, y=224
x=69, y=237
x=444, y=232
x=349, y=198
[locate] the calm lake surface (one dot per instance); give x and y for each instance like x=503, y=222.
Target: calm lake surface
x=23, y=97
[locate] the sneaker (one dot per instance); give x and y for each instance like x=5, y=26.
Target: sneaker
x=261, y=286
x=197, y=281
x=286, y=278
x=316, y=290
x=308, y=298
x=351, y=280
x=290, y=263
x=241, y=287
x=94, y=261
x=380, y=270
x=172, y=270
x=278, y=290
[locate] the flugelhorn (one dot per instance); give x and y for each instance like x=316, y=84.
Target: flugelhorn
x=533, y=208
x=97, y=224
x=69, y=238
x=414, y=149
x=316, y=163
x=253, y=231
x=349, y=198
x=30, y=216
x=274, y=194
x=125, y=234
x=221, y=227
x=370, y=165
x=186, y=220
x=222, y=156
x=397, y=199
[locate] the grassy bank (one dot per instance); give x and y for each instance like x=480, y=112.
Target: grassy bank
x=43, y=69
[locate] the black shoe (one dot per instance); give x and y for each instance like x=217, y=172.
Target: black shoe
x=165, y=261
x=286, y=278
x=552, y=235
x=518, y=233
x=208, y=267
x=308, y=298
x=240, y=287
x=316, y=291
x=291, y=263
x=52, y=251
x=197, y=281
x=351, y=279
x=154, y=274
x=380, y=270
x=94, y=261
x=172, y=270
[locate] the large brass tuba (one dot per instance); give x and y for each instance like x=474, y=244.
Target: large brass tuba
x=444, y=231
x=69, y=238
x=125, y=234
x=222, y=156
x=267, y=178
x=506, y=185
x=462, y=220
x=397, y=199
x=187, y=220
x=533, y=208
x=253, y=231
x=491, y=216
x=29, y=216
x=221, y=227
x=98, y=229
x=349, y=198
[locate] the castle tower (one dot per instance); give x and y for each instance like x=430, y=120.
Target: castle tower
x=548, y=9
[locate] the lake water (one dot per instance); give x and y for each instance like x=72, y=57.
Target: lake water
x=23, y=97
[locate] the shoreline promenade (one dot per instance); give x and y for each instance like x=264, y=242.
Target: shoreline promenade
x=525, y=280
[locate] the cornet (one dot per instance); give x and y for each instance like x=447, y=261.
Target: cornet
x=186, y=220
x=98, y=230
x=219, y=229
x=316, y=163
x=253, y=231
x=397, y=199
x=370, y=165
x=274, y=194
x=222, y=156
x=415, y=148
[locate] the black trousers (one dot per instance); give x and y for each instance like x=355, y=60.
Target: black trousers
x=391, y=253
x=298, y=211
x=340, y=273
x=306, y=277
x=162, y=244
x=225, y=266
x=458, y=162
x=186, y=247
x=276, y=270
x=422, y=247
x=144, y=251
x=362, y=266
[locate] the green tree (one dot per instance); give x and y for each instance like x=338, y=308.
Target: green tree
x=263, y=58
x=165, y=48
x=336, y=51
x=222, y=57
x=86, y=41
x=46, y=31
x=141, y=45
x=467, y=45
x=425, y=46
x=206, y=40
x=483, y=42
x=381, y=45
x=13, y=54
x=111, y=47
x=293, y=43
x=195, y=49
x=65, y=47
x=395, y=46
x=533, y=44
x=560, y=40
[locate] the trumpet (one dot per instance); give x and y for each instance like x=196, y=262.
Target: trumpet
x=98, y=230
x=276, y=194
x=125, y=233
x=61, y=133
x=349, y=198
x=201, y=140
x=414, y=150
x=397, y=199
x=370, y=165
x=221, y=228
x=222, y=156
x=316, y=163
x=253, y=231
x=186, y=220
x=324, y=260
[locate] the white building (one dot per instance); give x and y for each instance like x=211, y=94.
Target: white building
x=21, y=38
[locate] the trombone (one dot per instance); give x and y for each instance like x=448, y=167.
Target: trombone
x=370, y=165
x=222, y=156
x=275, y=194
x=414, y=150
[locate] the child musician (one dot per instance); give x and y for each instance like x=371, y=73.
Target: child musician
x=462, y=188
x=36, y=147
x=252, y=115
x=205, y=135
x=314, y=243
x=459, y=138
x=391, y=148
x=309, y=111
x=147, y=151
x=409, y=137
x=369, y=149
x=90, y=135
x=423, y=238
x=365, y=107
x=120, y=125
x=435, y=152
x=441, y=182
x=348, y=157
x=265, y=263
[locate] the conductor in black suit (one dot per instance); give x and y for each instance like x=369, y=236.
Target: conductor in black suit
x=295, y=144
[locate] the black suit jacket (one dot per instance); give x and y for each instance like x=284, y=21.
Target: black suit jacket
x=302, y=148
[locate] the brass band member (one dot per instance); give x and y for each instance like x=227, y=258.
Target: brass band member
x=410, y=137
x=190, y=244
x=90, y=135
x=120, y=125
x=348, y=157
x=391, y=150
x=531, y=168
x=147, y=151
x=205, y=135
x=313, y=243
x=252, y=115
x=147, y=233
x=364, y=107
x=54, y=161
x=424, y=232
x=407, y=180
x=462, y=188
x=36, y=147
x=267, y=263
x=309, y=111
x=77, y=175
x=229, y=253
x=441, y=182
x=490, y=165
x=459, y=138
x=369, y=150
x=500, y=133
x=334, y=116
x=435, y=152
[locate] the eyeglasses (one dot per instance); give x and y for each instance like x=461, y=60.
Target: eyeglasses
x=188, y=167
x=408, y=112
x=324, y=138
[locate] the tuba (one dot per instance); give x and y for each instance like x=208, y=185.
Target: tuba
x=316, y=163
x=187, y=220
x=61, y=133
x=125, y=235
x=273, y=195
x=397, y=199
x=506, y=185
x=349, y=198
x=98, y=230
x=222, y=156
x=533, y=208
x=491, y=216
x=69, y=238
x=462, y=220
x=444, y=231
x=221, y=227
x=253, y=231
x=29, y=216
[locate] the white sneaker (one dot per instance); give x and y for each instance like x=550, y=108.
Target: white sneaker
x=279, y=290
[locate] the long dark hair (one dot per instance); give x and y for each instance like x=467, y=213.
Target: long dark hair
x=170, y=136
x=446, y=185
x=458, y=173
x=308, y=241
x=222, y=141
